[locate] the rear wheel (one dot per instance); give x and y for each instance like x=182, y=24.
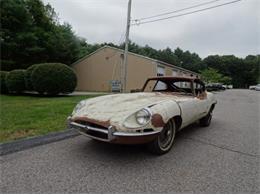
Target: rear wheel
x=206, y=120
x=163, y=143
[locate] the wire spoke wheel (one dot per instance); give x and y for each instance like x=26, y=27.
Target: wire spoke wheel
x=166, y=136
x=163, y=143
x=205, y=121
x=210, y=116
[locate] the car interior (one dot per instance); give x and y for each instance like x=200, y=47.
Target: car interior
x=180, y=86
x=173, y=86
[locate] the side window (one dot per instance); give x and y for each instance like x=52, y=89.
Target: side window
x=198, y=88
x=186, y=85
x=183, y=84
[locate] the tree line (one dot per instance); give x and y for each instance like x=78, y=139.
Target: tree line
x=31, y=33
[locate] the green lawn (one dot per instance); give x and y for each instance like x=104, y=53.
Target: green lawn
x=25, y=116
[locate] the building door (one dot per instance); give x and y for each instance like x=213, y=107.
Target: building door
x=160, y=71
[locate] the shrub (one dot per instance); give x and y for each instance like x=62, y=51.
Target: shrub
x=3, y=87
x=53, y=78
x=28, y=74
x=15, y=81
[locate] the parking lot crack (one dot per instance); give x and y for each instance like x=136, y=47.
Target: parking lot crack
x=222, y=147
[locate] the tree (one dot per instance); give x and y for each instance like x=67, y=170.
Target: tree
x=31, y=33
x=252, y=74
x=243, y=72
x=168, y=56
x=212, y=75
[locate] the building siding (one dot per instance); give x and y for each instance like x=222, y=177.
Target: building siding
x=96, y=71
x=139, y=69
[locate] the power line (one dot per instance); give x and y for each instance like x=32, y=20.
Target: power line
x=187, y=13
x=118, y=44
x=122, y=37
x=175, y=11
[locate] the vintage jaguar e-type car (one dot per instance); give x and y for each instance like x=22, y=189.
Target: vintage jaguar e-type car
x=153, y=116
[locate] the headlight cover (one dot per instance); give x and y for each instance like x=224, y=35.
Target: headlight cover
x=79, y=106
x=138, y=119
x=143, y=116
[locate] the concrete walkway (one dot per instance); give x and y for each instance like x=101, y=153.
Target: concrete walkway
x=75, y=93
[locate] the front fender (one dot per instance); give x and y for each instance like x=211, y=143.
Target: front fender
x=163, y=112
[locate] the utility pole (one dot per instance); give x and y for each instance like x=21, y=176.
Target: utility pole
x=124, y=67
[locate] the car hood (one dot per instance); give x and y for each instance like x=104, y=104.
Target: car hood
x=119, y=106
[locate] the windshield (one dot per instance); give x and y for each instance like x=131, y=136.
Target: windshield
x=179, y=86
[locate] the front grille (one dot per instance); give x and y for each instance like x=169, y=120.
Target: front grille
x=90, y=124
x=92, y=132
x=97, y=134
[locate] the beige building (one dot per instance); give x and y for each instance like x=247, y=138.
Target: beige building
x=100, y=70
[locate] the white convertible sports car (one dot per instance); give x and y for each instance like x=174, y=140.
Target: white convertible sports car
x=164, y=106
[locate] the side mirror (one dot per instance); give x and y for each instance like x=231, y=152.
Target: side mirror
x=203, y=88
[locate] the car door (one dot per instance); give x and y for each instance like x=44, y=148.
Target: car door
x=188, y=104
x=202, y=101
x=189, y=111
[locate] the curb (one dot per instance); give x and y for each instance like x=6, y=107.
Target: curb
x=18, y=145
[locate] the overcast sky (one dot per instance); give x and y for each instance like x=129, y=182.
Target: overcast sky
x=231, y=29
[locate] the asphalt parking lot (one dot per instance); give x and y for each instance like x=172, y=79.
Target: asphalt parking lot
x=222, y=158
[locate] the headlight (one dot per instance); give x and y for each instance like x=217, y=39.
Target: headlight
x=143, y=116
x=79, y=106
x=138, y=119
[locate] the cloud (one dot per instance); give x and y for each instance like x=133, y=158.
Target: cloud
x=231, y=29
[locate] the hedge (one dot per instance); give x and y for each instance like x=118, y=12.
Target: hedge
x=3, y=87
x=28, y=74
x=15, y=81
x=53, y=78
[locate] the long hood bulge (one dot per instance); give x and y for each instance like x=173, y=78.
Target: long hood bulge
x=119, y=106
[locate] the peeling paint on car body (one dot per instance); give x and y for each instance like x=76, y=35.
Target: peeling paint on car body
x=94, y=121
x=117, y=107
x=118, y=110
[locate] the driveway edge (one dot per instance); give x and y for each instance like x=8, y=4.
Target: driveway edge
x=18, y=145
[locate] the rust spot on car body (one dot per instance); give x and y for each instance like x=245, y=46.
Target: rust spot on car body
x=157, y=120
x=101, y=123
x=202, y=96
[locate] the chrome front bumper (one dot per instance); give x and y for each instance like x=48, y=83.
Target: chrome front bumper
x=109, y=134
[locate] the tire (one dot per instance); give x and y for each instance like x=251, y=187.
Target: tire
x=164, y=142
x=206, y=120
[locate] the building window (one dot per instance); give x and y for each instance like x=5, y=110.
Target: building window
x=174, y=73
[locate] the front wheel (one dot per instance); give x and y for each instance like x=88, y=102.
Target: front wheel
x=163, y=143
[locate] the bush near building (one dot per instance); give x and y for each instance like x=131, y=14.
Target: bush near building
x=53, y=78
x=15, y=81
x=3, y=87
x=28, y=73
x=47, y=78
